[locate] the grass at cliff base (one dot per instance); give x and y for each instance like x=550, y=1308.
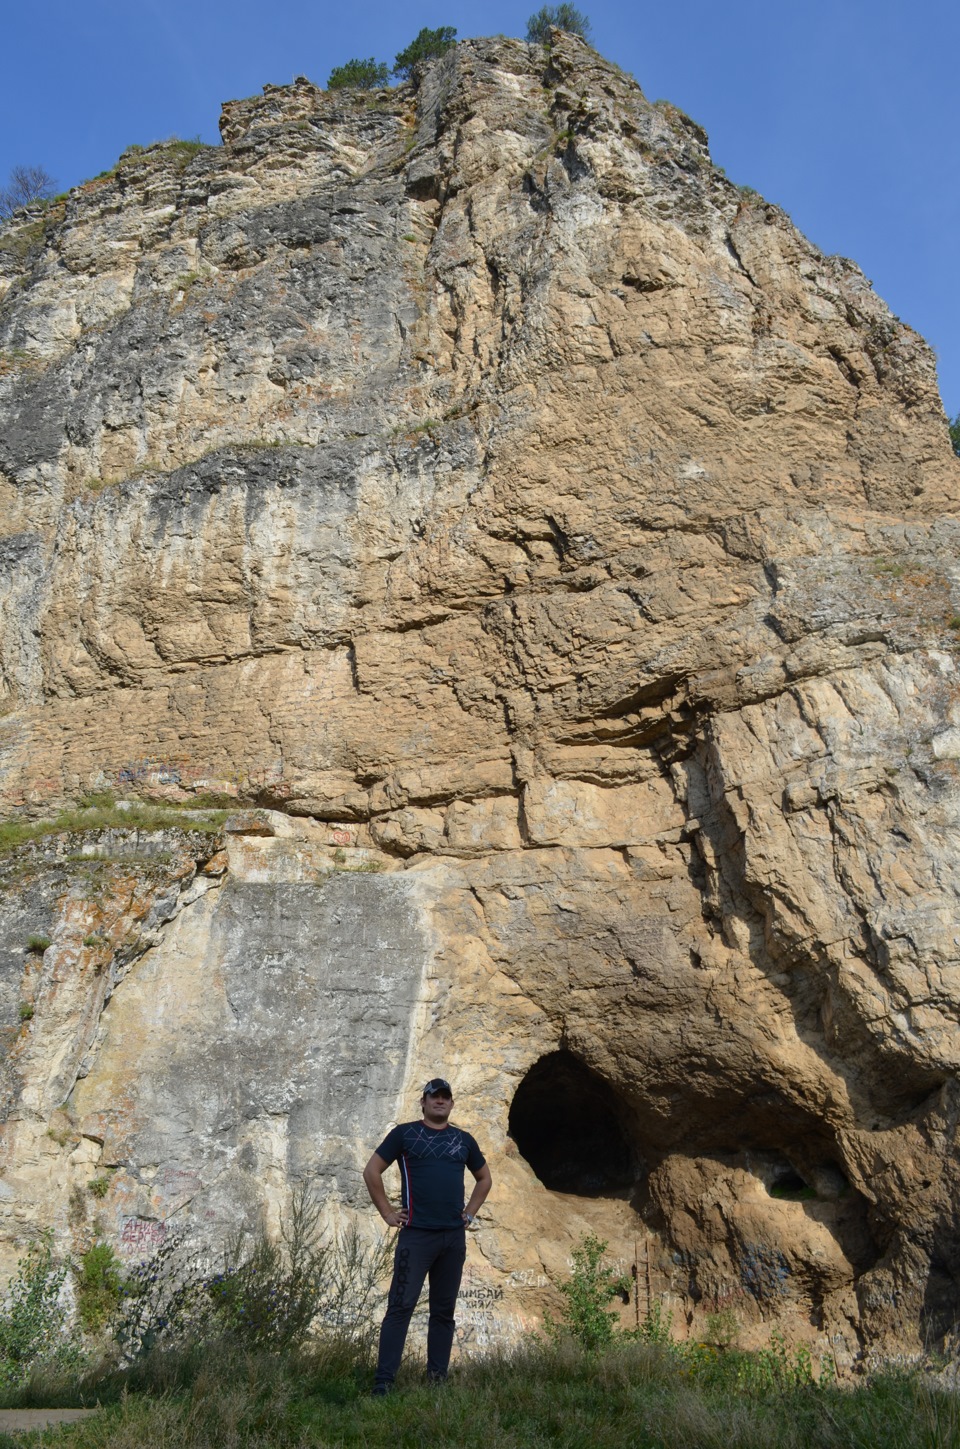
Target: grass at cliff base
x=637, y=1395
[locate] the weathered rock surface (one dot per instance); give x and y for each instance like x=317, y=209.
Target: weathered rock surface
x=561, y=553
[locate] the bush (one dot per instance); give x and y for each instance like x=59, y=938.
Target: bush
x=161, y=1303
x=274, y=1297
x=32, y=1319
x=360, y=75
x=428, y=45
x=955, y=434
x=557, y=17
x=586, y=1317
x=271, y=1297
x=99, y=1286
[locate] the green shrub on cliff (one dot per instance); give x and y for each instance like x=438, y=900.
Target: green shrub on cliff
x=428, y=45
x=557, y=17
x=360, y=75
x=99, y=1286
x=955, y=434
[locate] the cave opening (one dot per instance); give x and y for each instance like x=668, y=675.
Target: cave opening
x=570, y=1126
x=787, y=1182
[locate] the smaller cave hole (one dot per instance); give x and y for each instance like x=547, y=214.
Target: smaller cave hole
x=571, y=1127
x=781, y=1178
x=790, y=1185
x=825, y=1187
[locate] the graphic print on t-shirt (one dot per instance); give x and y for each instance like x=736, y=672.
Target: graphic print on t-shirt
x=431, y=1171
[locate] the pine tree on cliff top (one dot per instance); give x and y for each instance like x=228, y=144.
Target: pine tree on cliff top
x=427, y=46
x=557, y=17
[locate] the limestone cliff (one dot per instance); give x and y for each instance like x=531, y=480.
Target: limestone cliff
x=554, y=554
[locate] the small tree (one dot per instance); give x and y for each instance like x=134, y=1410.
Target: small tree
x=557, y=17
x=26, y=184
x=428, y=45
x=99, y=1286
x=955, y=434
x=360, y=75
x=32, y=1319
x=586, y=1317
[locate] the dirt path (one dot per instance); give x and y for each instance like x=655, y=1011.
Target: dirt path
x=13, y=1419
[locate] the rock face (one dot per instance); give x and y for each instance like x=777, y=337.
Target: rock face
x=558, y=552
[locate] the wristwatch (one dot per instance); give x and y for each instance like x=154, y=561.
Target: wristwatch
x=468, y=1218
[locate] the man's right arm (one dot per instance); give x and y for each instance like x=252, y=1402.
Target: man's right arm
x=373, y=1177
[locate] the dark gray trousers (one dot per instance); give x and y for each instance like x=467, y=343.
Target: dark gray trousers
x=421, y=1253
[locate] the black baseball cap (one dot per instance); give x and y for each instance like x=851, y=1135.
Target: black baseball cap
x=437, y=1087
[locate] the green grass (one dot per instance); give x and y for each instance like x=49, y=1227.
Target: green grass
x=14, y=359
x=185, y=150
x=794, y=1194
x=888, y=567
x=636, y=1394
x=341, y=862
x=407, y=430
x=99, y=1286
x=182, y=152
x=101, y=813
x=25, y=237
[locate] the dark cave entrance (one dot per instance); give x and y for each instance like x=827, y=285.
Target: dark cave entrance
x=569, y=1125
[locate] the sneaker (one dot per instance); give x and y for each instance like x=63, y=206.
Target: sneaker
x=380, y=1390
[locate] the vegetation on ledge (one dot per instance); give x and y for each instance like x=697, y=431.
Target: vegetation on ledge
x=103, y=812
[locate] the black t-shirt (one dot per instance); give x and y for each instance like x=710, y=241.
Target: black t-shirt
x=431, y=1160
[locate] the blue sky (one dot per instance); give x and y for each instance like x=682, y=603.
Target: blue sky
x=844, y=112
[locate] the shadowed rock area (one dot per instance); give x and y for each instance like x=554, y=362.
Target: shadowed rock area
x=549, y=558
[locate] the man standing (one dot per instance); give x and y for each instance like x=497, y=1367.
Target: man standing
x=432, y=1220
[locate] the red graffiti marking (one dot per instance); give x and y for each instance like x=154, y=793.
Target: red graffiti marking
x=142, y=1233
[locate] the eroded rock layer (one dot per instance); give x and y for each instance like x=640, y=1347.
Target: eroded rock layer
x=554, y=554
